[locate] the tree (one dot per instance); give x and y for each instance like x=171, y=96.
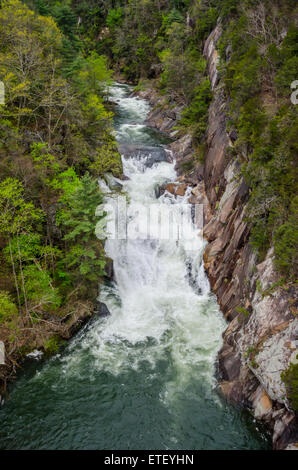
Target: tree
x=84, y=260
x=8, y=309
x=16, y=217
x=28, y=46
x=95, y=74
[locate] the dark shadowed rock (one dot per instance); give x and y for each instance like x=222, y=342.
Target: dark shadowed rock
x=150, y=155
x=286, y=431
x=229, y=364
x=102, y=310
x=109, y=269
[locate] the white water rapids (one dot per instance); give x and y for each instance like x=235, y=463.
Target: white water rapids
x=161, y=299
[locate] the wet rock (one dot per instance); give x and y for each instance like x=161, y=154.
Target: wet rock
x=183, y=152
x=150, y=155
x=177, y=189
x=229, y=364
x=102, y=310
x=199, y=197
x=109, y=269
x=113, y=182
x=74, y=322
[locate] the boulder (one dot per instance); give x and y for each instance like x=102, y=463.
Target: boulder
x=177, y=189
x=229, y=364
x=109, y=269
x=150, y=155
x=262, y=403
x=102, y=310
x=113, y=183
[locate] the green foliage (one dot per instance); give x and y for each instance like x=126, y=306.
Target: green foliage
x=286, y=75
x=287, y=61
x=53, y=345
x=28, y=246
x=83, y=264
x=94, y=74
x=79, y=216
x=243, y=77
x=115, y=18
x=286, y=242
x=8, y=309
x=39, y=288
x=107, y=160
x=258, y=66
x=206, y=22
x=196, y=115
x=46, y=165
x=174, y=16
x=85, y=258
x=66, y=109
x=290, y=378
x=243, y=311
x=54, y=125
x=180, y=74
x=15, y=214
x=66, y=183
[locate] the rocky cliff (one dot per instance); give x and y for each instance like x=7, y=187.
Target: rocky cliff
x=260, y=341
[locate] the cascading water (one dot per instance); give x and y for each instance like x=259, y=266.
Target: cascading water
x=142, y=378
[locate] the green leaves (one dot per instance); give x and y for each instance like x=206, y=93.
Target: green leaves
x=95, y=74
x=79, y=218
x=107, y=160
x=115, y=18
x=196, y=115
x=39, y=288
x=286, y=242
x=260, y=65
x=8, y=309
x=84, y=259
x=15, y=214
x=66, y=183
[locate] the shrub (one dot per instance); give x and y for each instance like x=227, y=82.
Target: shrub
x=107, y=160
x=290, y=378
x=53, y=345
x=196, y=115
x=286, y=243
x=8, y=309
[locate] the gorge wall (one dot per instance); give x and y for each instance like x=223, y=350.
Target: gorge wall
x=261, y=338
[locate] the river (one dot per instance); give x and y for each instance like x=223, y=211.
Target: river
x=144, y=377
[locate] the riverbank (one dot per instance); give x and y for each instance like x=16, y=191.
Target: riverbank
x=260, y=342
x=45, y=338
